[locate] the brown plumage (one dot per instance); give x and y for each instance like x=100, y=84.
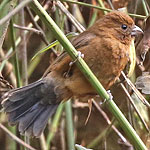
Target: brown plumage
x=105, y=46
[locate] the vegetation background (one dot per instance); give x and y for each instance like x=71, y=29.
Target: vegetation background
x=28, y=47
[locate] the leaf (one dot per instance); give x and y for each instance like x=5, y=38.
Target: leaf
x=143, y=83
x=132, y=56
x=69, y=35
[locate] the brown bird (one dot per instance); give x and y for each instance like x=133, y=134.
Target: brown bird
x=105, y=46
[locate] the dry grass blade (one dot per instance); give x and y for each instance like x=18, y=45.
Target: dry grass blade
x=28, y=29
x=70, y=16
x=139, y=95
x=134, y=106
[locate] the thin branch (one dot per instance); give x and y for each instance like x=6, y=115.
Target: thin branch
x=43, y=142
x=79, y=27
x=16, y=138
x=134, y=106
x=139, y=95
x=111, y=5
x=14, y=11
x=28, y=29
x=42, y=35
x=109, y=122
x=100, y=8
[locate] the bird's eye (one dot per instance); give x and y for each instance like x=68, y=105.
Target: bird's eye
x=124, y=27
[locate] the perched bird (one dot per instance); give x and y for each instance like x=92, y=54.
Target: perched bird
x=105, y=46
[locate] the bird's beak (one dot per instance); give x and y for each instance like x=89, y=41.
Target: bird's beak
x=136, y=30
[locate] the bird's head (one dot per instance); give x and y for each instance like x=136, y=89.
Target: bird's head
x=121, y=26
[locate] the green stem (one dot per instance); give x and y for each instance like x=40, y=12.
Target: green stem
x=102, y=5
x=54, y=125
x=101, y=8
x=145, y=8
x=3, y=4
x=69, y=126
x=16, y=63
x=93, y=18
x=137, y=142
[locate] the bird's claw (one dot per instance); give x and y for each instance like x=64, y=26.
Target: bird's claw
x=66, y=74
x=79, y=55
x=110, y=97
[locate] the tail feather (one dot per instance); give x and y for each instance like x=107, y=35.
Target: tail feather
x=20, y=105
x=31, y=106
x=30, y=117
x=20, y=93
x=14, y=116
x=36, y=120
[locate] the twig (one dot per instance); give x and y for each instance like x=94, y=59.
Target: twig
x=111, y=5
x=62, y=134
x=10, y=51
x=43, y=142
x=28, y=29
x=23, y=49
x=23, y=55
x=100, y=8
x=13, y=12
x=42, y=35
x=77, y=13
x=145, y=7
x=109, y=122
x=139, y=95
x=6, y=57
x=102, y=5
x=134, y=106
x=79, y=27
x=16, y=138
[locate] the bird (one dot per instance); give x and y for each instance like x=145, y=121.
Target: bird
x=105, y=46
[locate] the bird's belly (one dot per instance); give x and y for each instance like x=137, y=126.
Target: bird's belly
x=110, y=71
x=107, y=70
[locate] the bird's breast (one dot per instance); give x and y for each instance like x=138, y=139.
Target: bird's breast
x=107, y=61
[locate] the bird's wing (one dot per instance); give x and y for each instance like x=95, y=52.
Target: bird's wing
x=81, y=40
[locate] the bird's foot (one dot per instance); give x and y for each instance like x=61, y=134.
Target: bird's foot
x=68, y=72
x=110, y=97
x=79, y=55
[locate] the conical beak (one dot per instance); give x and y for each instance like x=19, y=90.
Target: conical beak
x=136, y=30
